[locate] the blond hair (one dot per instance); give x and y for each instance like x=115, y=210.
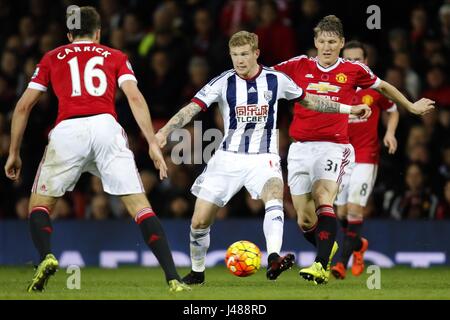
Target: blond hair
x=329, y=24
x=242, y=38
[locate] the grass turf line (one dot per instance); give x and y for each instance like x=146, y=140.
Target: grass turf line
x=148, y=283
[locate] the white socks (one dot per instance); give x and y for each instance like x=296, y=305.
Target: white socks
x=199, y=244
x=273, y=226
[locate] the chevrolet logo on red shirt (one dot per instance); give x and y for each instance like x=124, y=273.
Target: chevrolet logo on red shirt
x=323, y=87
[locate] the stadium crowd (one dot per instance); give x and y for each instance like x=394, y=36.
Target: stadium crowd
x=175, y=47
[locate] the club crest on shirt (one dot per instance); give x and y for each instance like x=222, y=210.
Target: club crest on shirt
x=268, y=95
x=341, y=77
x=367, y=99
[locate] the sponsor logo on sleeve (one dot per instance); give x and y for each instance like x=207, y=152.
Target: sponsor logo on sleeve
x=35, y=74
x=129, y=66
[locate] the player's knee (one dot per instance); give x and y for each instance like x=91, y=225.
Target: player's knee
x=41, y=201
x=200, y=223
x=306, y=223
x=272, y=190
x=323, y=194
x=341, y=212
x=355, y=212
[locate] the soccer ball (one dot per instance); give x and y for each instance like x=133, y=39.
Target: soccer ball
x=243, y=258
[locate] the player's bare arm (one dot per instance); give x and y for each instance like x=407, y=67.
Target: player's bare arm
x=317, y=103
x=389, y=139
x=19, y=123
x=420, y=107
x=141, y=113
x=179, y=120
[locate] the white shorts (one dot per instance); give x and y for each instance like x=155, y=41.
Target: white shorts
x=357, y=184
x=312, y=161
x=227, y=172
x=95, y=144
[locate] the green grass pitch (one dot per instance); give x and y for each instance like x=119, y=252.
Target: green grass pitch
x=148, y=283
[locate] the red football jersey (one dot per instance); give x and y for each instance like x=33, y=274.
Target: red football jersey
x=84, y=76
x=338, y=83
x=363, y=133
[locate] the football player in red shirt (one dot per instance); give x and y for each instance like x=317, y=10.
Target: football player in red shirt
x=321, y=152
x=357, y=183
x=87, y=138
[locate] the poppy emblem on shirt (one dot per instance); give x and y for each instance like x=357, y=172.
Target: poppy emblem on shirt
x=341, y=78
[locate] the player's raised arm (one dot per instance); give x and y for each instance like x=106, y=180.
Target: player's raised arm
x=179, y=120
x=317, y=103
x=141, y=113
x=19, y=123
x=420, y=107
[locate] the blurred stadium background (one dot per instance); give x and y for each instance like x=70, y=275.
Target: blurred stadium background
x=175, y=47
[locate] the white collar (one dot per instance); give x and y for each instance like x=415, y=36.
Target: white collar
x=327, y=69
x=82, y=41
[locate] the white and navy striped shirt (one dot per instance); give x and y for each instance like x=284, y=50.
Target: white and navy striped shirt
x=249, y=108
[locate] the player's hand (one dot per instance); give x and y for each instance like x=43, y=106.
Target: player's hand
x=13, y=166
x=363, y=111
x=158, y=159
x=161, y=139
x=390, y=142
x=423, y=106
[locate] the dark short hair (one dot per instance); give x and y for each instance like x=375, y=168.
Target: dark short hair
x=355, y=44
x=89, y=22
x=331, y=24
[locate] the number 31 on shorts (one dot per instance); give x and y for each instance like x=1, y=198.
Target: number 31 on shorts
x=331, y=166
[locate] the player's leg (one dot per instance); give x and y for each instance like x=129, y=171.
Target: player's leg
x=218, y=183
x=352, y=238
x=306, y=216
x=329, y=163
x=153, y=233
x=40, y=208
x=199, y=239
x=361, y=186
x=340, y=268
x=41, y=229
x=356, y=243
x=323, y=193
x=58, y=172
x=301, y=159
x=264, y=180
x=341, y=213
x=114, y=164
x=300, y=185
x=342, y=198
x=272, y=195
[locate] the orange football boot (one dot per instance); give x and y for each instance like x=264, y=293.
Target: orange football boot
x=358, y=258
x=338, y=271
